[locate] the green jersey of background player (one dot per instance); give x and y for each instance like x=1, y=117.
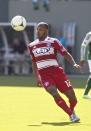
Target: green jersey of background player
x=86, y=56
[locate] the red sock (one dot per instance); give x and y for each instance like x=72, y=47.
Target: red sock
x=72, y=104
x=61, y=103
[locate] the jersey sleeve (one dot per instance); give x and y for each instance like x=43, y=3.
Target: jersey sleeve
x=59, y=47
x=30, y=52
x=83, y=52
x=84, y=46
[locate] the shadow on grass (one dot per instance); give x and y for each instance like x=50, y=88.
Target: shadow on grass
x=57, y=123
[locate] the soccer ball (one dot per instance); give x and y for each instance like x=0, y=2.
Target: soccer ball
x=18, y=23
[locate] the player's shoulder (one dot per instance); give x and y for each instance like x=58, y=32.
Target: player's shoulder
x=87, y=39
x=51, y=39
x=89, y=32
x=88, y=35
x=33, y=43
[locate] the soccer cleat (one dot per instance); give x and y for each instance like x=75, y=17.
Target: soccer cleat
x=74, y=118
x=86, y=96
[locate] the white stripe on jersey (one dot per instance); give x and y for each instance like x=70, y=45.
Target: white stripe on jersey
x=47, y=40
x=46, y=63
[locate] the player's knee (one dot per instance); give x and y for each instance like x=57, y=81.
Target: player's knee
x=53, y=91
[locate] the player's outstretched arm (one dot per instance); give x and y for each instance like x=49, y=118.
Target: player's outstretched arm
x=71, y=60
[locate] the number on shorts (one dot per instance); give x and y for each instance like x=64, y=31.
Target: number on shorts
x=68, y=83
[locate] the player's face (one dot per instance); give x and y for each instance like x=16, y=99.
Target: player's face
x=42, y=32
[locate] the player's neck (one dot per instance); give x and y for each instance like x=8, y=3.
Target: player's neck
x=42, y=38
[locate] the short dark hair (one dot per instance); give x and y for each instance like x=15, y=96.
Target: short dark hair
x=43, y=24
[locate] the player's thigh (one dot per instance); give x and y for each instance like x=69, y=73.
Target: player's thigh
x=48, y=82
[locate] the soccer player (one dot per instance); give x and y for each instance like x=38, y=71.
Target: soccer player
x=53, y=78
x=86, y=56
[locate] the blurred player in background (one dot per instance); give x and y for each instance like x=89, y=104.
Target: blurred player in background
x=20, y=63
x=86, y=56
x=53, y=78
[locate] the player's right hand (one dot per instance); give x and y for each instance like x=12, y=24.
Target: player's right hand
x=77, y=66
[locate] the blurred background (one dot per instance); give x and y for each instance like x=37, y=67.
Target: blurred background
x=69, y=21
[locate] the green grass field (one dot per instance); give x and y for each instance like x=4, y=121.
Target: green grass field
x=25, y=107
x=33, y=109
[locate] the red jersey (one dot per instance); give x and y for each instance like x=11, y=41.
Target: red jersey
x=44, y=52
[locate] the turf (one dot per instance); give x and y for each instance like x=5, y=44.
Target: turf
x=32, y=109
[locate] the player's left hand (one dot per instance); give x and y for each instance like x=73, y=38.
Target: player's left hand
x=77, y=66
